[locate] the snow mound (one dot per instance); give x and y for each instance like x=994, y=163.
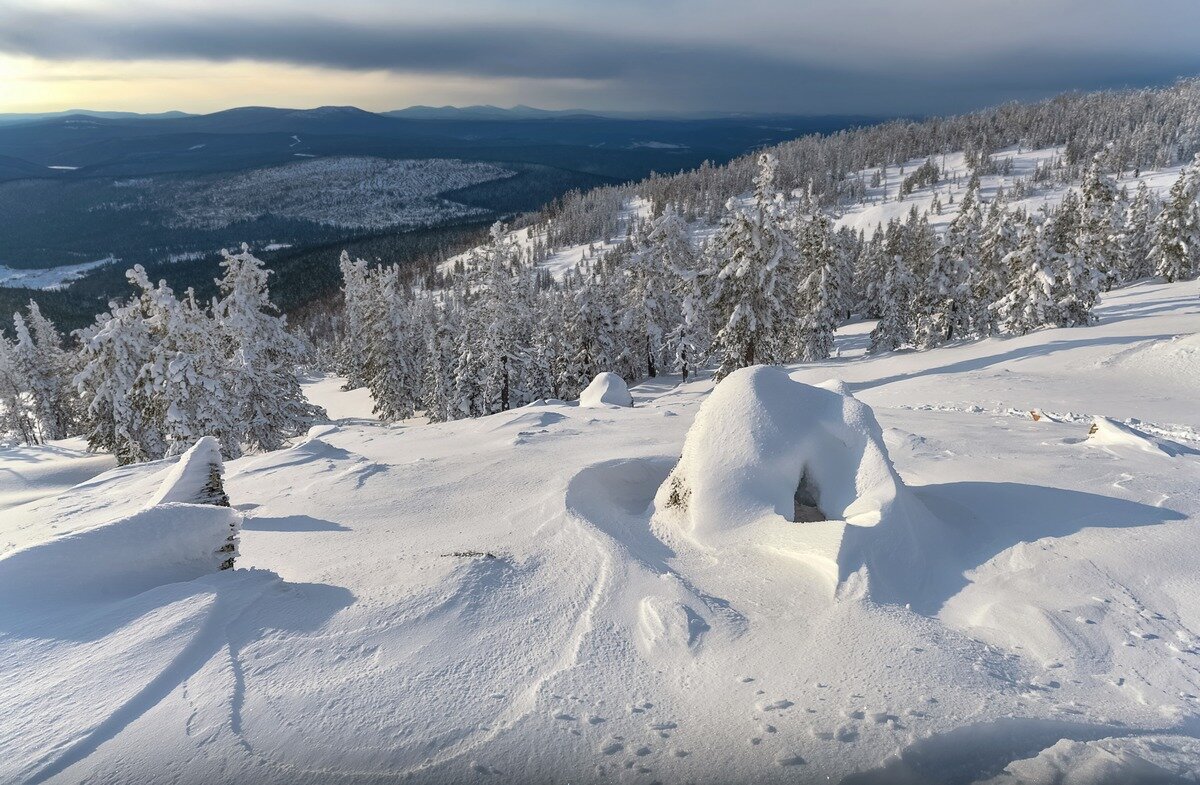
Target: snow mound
x=606, y=391
x=168, y=543
x=1110, y=433
x=195, y=478
x=798, y=470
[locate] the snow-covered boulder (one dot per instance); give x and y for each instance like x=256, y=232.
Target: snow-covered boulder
x=799, y=470
x=605, y=391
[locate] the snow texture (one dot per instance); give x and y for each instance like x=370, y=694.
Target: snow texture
x=503, y=600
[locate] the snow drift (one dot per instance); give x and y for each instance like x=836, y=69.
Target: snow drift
x=799, y=470
x=186, y=531
x=164, y=544
x=605, y=391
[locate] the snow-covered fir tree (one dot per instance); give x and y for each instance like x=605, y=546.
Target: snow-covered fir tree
x=264, y=356
x=1030, y=302
x=17, y=419
x=752, y=257
x=1137, y=237
x=1175, y=253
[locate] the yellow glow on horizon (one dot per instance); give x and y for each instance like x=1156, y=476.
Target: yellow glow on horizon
x=31, y=85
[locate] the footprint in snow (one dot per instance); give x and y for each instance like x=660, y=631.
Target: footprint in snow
x=789, y=759
x=776, y=705
x=846, y=733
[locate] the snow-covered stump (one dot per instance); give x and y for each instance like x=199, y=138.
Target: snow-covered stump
x=802, y=471
x=606, y=391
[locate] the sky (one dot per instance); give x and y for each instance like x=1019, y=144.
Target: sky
x=875, y=57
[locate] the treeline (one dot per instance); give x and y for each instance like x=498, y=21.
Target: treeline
x=771, y=286
x=156, y=372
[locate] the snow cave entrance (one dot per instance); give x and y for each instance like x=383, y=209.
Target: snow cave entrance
x=807, y=509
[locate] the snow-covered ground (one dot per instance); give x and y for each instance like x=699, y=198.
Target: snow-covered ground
x=883, y=203
x=500, y=600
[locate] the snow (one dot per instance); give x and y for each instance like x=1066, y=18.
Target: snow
x=561, y=260
x=802, y=471
x=607, y=390
x=165, y=543
x=340, y=404
x=49, y=277
x=186, y=481
x=503, y=600
x=883, y=203
x=32, y=473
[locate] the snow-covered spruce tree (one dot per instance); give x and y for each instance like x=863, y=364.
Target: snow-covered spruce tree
x=46, y=366
x=16, y=416
x=264, y=356
x=1030, y=302
x=1099, y=243
x=1137, y=235
x=122, y=413
x=991, y=276
x=194, y=379
x=468, y=382
x=651, y=309
x=1175, y=254
x=390, y=362
x=946, y=306
x=869, y=275
x=751, y=259
x=1076, y=282
x=437, y=370
x=818, y=297
x=505, y=319
x=896, y=297
x=359, y=300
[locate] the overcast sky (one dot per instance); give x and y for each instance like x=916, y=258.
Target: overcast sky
x=795, y=56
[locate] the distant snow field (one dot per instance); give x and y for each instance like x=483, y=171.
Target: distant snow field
x=955, y=590
x=50, y=277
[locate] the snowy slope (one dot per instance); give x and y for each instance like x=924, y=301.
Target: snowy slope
x=490, y=600
x=883, y=203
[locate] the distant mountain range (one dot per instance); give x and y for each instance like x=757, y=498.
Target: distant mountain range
x=6, y=118
x=87, y=144
x=418, y=112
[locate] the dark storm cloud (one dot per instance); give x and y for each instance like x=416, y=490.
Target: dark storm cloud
x=638, y=70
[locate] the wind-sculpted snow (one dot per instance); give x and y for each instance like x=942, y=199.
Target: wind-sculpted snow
x=164, y=544
x=764, y=446
x=503, y=600
x=606, y=390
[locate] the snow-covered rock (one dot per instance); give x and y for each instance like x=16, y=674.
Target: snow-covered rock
x=605, y=391
x=799, y=470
